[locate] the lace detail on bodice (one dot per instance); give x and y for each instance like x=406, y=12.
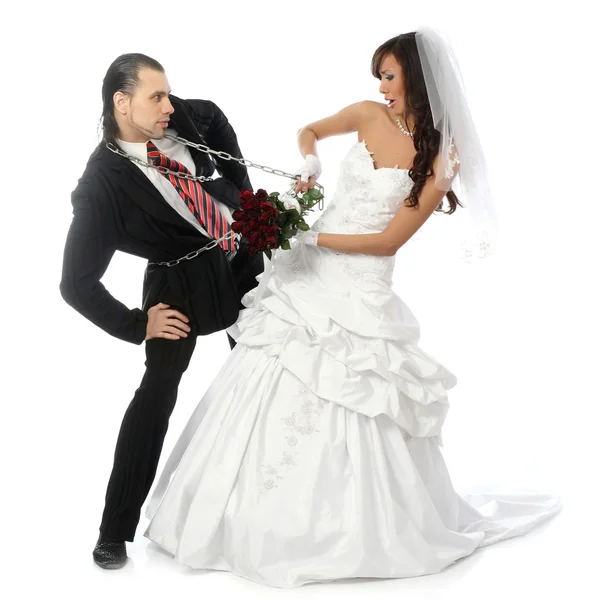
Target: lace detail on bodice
x=366, y=199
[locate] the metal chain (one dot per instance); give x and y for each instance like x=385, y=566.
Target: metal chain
x=243, y=161
x=194, y=253
x=201, y=178
x=162, y=170
x=219, y=153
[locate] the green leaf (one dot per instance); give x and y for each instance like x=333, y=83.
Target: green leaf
x=303, y=226
x=286, y=245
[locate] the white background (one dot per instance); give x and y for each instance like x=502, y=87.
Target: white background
x=520, y=332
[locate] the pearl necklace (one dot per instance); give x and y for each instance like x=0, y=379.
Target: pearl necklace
x=409, y=133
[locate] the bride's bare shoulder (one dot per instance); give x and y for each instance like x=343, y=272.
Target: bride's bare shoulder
x=367, y=109
x=351, y=118
x=372, y=109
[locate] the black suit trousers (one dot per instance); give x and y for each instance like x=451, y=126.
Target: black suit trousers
x=142, y=434
x=146, y=420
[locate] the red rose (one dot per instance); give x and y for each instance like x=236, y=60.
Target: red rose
x=246, y=195
x=255, y=220
x=269, y=209
x=265, y=217
x=251, y=204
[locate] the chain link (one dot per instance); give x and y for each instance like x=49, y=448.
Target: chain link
x=162, y=170
x=194, y=253
x=243, y=161
x=219, y=153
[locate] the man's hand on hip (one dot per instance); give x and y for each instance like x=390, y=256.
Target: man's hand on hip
x=163, y=322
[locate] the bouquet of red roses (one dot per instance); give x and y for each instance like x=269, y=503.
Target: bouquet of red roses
x=267, y=221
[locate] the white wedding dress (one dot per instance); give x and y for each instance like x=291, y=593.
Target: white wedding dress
x=315, y=454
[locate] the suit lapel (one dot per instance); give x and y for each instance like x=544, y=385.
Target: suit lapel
x=142, y=192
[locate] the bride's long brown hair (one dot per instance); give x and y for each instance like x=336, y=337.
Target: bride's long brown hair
x=426, y=139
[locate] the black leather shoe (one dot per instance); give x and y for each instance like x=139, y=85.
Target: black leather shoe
x=109, y=553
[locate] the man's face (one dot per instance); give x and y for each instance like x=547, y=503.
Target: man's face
x=145, y=113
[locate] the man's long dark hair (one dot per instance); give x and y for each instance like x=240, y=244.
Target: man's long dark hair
x=426, y=139
x=122, y=76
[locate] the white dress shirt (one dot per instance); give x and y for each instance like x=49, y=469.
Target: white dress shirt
x=180, y=153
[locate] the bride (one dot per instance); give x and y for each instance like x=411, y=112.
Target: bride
x=315, y=453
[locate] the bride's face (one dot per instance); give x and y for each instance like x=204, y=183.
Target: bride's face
x=392, y=84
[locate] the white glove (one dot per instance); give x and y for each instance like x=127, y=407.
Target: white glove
x=310, y=168
x=308, y=238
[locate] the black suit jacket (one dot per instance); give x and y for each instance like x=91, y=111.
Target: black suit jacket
x=116, y=207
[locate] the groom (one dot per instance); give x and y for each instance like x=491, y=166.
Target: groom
x=122, y=204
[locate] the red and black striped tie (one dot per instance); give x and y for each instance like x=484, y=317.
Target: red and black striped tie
x=201, y=204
